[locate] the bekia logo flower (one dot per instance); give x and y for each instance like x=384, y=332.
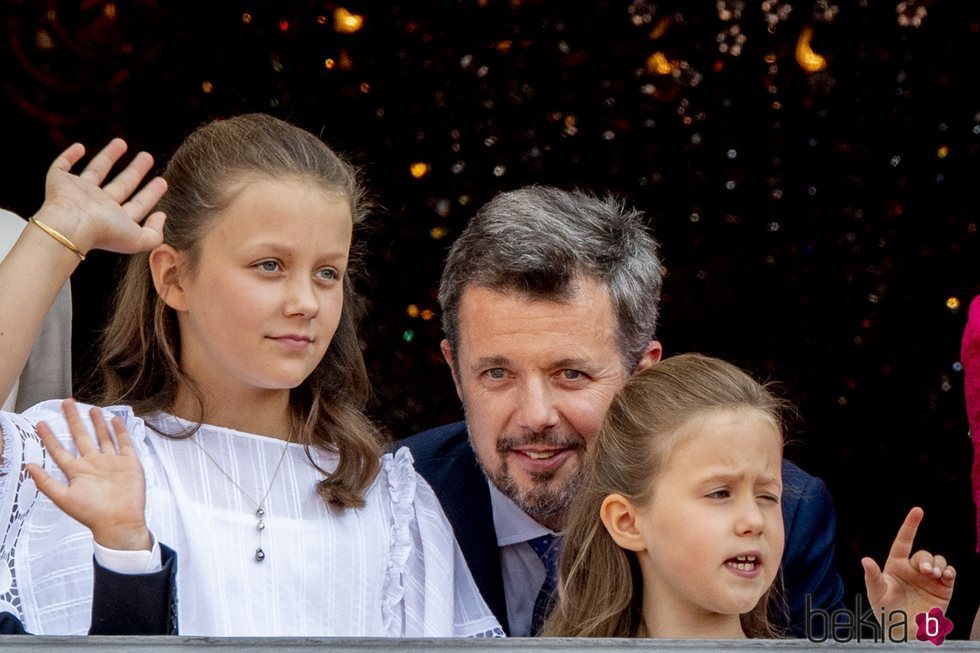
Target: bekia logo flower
x=933, y=626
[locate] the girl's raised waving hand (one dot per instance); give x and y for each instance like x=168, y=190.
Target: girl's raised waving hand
x=81, y=212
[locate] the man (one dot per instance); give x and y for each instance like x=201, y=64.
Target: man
x=550, y=301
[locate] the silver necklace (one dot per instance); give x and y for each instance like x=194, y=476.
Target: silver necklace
x=259, y=505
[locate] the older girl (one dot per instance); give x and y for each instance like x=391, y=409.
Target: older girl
x=677, y=530
x=233, y=373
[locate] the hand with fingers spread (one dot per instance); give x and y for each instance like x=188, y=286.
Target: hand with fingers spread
x=106, y=487
x=80, y=212
x=95, y=214
x=912, y=584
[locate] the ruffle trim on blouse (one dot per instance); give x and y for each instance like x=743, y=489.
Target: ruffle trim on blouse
x=402, y=481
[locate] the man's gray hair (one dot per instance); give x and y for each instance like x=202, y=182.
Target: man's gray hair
x=538, y=241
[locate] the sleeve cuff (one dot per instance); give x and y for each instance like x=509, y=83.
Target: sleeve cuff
x=130, y=562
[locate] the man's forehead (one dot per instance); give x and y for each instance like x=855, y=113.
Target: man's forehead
x=576, y=290
x=492, y=322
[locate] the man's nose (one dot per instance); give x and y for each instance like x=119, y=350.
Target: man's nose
x=537, y=410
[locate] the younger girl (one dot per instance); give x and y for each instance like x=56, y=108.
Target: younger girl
x=235, y=379
x=677, y=531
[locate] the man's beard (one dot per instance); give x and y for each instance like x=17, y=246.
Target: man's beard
x=542, y=501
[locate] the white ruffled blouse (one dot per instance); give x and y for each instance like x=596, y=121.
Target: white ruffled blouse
x=391, y=568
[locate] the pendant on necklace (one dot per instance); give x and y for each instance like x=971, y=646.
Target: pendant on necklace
x=259, y=553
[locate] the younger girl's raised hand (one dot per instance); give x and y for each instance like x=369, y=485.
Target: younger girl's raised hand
x=912, y=584
x=106, y=488
x=94, y=214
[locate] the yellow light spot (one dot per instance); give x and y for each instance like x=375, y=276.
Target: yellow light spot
x=346, y=63
x=207, y=86
x=809, y=60
x=329, y=63
x=953, y=303
x=365, y=87
x=412, y=310
x=246, y=18
x=345, y=22
x=419, y=169
x=770, y=58
x=427, y=315
x=659, y=29
x=438, y=233
x=657, y=63
x=942, y=152
x=43, y=40
x=321, y=20
x=110, y=10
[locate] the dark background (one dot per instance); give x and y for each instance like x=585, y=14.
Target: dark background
x=819, y=226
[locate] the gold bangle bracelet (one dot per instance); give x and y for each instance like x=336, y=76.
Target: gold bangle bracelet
x=57, y=235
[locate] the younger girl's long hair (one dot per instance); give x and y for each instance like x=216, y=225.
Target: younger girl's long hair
x=141, y=345
x=600, y=588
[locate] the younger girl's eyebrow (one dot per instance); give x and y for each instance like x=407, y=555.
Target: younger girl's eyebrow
x=735, y=477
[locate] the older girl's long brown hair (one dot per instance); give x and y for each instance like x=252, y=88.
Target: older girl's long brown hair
x=600, y=588
x=141, y=344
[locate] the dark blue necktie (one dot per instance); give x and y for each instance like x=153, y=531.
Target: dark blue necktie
x=546, y=546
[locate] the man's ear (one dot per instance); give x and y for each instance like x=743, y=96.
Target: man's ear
x=447, y=354
x=652, y=355
x=164, y=266
x=619, y=516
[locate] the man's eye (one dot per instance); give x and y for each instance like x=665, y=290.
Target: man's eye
x=268, y=266
x=572, y=375
x=496, y=373
x=773, y=498
x=718, y=494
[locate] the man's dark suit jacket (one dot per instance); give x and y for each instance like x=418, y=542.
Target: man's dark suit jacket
x=126, y=604
x=443, y=456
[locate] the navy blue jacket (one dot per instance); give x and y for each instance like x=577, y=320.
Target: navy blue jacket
x=126, y=604
x=443, y=456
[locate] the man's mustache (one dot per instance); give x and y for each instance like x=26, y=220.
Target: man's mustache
x=545, y=438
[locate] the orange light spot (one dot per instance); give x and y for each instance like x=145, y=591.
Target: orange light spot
x=658, y=64
x=809, y=60
x=345, y=22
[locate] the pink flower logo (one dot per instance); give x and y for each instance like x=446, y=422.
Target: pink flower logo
x=933, y=626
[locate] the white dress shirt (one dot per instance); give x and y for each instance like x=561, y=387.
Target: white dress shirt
x=522, y=569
